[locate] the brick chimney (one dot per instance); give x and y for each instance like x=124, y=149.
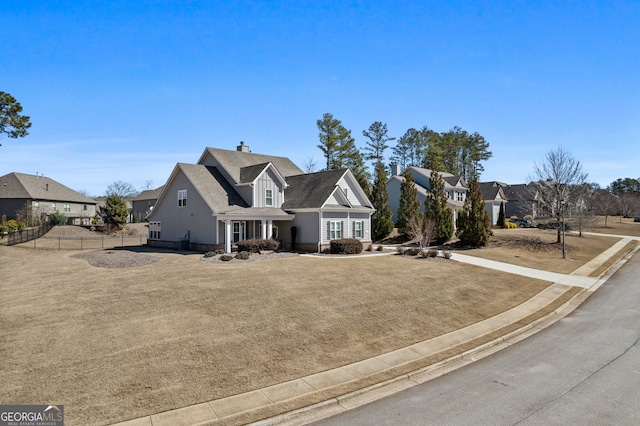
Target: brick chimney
x=243, y=148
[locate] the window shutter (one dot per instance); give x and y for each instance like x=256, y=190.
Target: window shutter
x=341, y=229
x=328, y=230
x=353, y=229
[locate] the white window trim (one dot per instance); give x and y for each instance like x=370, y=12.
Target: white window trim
x=268, y=197
x=358, y=228
x=334, y=230
x=154, y=230
x=182, y=197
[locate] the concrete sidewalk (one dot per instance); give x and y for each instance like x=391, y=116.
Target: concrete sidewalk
x=340, y=385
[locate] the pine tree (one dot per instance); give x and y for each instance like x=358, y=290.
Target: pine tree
x=474, y=224
x=409, y=206
x=116, y=211
x=501, y=217
x=435, y=207
x=381, y=222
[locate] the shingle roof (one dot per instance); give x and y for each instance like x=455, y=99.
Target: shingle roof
x=250, y=173
x=219, y=194
x=234, y=161
x=489, y=191
x=24, y=186
x=149, y=194
x=311, y=190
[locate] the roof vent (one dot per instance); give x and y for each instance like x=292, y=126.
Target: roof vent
x=243, y=148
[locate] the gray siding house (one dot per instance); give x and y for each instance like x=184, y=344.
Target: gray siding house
x=43, y=196
x=143, y=203
x=229, y=196
x=493, y=197
x=454, y=186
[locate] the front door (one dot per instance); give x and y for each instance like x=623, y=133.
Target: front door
x=239, y=228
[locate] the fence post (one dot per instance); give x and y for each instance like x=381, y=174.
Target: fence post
x=81, y=244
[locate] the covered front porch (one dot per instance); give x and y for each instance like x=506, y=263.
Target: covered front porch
x=245, y=224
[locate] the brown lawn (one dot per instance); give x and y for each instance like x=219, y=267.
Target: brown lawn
x=535, y=248
x=616, y=225
x=118, y=343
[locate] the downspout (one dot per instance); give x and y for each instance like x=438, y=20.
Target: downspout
x=319, y=230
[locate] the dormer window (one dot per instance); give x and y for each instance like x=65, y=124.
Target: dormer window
x=268, y=197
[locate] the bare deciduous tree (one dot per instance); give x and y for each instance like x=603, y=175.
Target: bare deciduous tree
x=122, y=189
x=554, y=178
x=422, y=228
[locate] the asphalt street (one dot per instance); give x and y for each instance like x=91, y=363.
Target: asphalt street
x=585, y=369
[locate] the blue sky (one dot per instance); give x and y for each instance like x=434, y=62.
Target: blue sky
x=123, y=90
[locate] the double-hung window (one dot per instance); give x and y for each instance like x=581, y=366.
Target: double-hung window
x=268, y=197
x=335, y=230
x=67, y=207
x=182, y=198
x=358, y=231
x=154, y=230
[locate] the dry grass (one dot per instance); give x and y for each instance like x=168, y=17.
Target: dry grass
x=617, y=226
x=113, y=344
x=535, y=248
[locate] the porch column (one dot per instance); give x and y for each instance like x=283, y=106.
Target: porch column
x=227, y=235
x=269, y=229
x=263, y=229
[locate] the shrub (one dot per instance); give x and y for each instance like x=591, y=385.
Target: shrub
x=243, y=255
x=446, y=253
x=257, y=245
x=413, y=251
x=379, y=248
x=209, y=254
x=345, y=246
x=58, y=218
x=510, y=225
x=226, y=257
x=432, y=253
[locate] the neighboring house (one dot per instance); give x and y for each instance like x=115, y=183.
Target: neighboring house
x=454, y=186
x=43, y=196
x=229, y=196
x=493, y=196
x=143, y=203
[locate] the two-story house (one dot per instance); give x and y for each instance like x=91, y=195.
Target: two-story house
x=229, y=196
x=454, y=186
x=42, y=196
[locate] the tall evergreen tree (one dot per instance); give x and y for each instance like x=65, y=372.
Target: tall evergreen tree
x=381, y=222
x=474, y=224
x=409, y=206
x=335, y=140
x=435, y=207
x=377, y=143
x=501, y=216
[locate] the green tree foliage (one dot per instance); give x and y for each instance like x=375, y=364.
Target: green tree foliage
x=116, y=211
x=435, y=207
x=474, y=224
x=59, y=218
x=501, y=218
x=335, y=141
x=340, y=151
x=12, y=123
x=622, y=186
x=377, y=143
x=409, y=206
x=409, y=151
x=381, y=220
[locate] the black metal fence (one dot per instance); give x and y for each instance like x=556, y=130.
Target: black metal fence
x=87, y=243
x=26, y=235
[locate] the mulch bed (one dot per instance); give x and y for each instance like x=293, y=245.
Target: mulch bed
x=116, y=258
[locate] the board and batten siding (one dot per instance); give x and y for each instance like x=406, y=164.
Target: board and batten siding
x=195, y=218
x=267, y=180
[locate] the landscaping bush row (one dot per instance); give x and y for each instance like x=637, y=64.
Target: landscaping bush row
x=11, y=226
x=345, y=246
x=258, y=245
